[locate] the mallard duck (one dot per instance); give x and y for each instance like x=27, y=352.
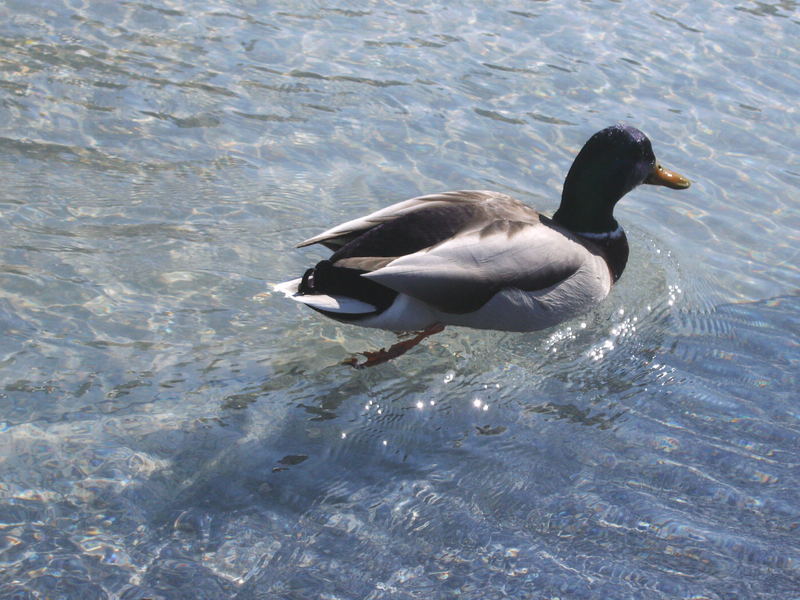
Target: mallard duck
x=483, y=259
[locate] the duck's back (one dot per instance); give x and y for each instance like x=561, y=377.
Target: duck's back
x=421, y=222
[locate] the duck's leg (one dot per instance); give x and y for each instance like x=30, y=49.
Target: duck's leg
x=383, y=355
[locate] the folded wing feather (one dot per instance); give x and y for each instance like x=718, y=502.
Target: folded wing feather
x=462, y=274
x=336, y=237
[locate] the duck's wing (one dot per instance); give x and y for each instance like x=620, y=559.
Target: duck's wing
x=452, y=209
x=461, y=274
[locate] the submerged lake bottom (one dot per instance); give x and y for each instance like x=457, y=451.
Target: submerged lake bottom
x=417, y=483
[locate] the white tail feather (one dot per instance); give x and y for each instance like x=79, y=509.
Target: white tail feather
x=338, y=304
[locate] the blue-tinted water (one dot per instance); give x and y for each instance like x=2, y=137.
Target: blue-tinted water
x=170, y=429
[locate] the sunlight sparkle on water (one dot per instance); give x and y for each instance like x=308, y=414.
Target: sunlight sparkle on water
x=480, y=404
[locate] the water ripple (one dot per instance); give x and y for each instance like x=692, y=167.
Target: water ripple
x=174, y=430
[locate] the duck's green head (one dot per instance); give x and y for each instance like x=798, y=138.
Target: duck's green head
x=612, y=163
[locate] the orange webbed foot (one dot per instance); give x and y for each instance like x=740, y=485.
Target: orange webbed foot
x=385, y=355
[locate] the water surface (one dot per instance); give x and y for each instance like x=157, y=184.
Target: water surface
x=171, y=429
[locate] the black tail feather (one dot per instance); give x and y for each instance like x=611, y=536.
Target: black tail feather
x=326, y=278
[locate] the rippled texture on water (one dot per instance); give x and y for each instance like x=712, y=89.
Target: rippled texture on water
x=170, y=429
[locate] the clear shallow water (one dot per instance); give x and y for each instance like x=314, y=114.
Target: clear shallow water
x=172, y=430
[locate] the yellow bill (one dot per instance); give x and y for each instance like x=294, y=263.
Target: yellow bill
x=667, y=178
